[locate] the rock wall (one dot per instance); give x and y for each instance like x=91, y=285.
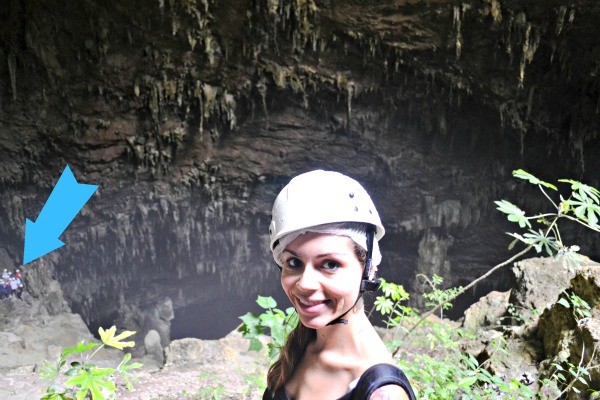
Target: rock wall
x=192, y=115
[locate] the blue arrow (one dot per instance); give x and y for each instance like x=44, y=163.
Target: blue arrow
x=65, y=201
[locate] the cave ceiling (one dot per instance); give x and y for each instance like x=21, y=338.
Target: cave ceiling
x=192, y=114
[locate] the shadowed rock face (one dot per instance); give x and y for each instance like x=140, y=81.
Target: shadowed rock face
x=191, y=116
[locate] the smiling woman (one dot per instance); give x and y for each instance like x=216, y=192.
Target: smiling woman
x=325, y=234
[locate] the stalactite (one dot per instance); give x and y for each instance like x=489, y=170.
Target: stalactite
x=530, y=46
x=496, y=11
x=12, y=70
x=456, y=23
x=261, y=86
x=349, y=93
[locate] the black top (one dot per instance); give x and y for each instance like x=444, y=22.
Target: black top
x=373, y=378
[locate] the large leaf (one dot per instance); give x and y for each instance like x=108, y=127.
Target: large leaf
x=522, y=174
x=584, y=190
x=80, y=348
x=94, y=381
x=266, y=302
x=585, y=208
x=108, y=338
x=514, y=213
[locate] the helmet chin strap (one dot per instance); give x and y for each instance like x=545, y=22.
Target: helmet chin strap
x=366, y=284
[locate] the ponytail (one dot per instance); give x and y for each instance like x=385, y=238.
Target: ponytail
x=291, y=354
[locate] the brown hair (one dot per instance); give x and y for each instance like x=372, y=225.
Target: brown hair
x=295, y=346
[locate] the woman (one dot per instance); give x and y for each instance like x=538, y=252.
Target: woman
x=324, y=236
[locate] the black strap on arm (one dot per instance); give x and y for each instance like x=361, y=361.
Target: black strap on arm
x=377, y=376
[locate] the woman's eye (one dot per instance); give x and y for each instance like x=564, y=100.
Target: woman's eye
x=292, y=263
x=330, y=265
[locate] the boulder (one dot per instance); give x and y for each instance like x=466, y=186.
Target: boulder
x=190, y=351
x=153, y=346
x=537, y=282
x=489, y=310
x=573, y=333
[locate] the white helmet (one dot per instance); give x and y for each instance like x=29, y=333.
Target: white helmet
x=321, y=197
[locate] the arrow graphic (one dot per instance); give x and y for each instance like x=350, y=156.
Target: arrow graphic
x=65, y=201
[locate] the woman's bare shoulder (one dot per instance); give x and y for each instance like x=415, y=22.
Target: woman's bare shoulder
x=389, y=392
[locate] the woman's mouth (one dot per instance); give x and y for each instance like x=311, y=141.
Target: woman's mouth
x=312, y=306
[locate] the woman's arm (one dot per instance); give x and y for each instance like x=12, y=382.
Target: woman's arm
x=389, y=392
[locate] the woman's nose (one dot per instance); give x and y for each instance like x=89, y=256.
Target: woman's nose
x=309, y=280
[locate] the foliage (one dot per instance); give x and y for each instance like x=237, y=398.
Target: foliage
x=564, y=376
x=210, y=389
x=437, y=363
x=438, y=297
x=275, y=322
x=582, y=206
x=87, y=380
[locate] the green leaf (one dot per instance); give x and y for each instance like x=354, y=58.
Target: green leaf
x=565, y=303
x=521, y=174
x=514, y=213
x=51, y=371
x=92, y=381
x=125, y=366
x=584, y=190
x=255, y=344
x=81, y=348
x=467, y=382
x=266, y=302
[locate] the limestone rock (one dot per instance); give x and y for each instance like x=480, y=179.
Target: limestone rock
x=153, y=346
x=489, y=310
x=570, y=335
x=519, y=362
x=537, y=282
x=188, y=351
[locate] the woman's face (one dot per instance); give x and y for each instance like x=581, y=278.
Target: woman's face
x=321, y=276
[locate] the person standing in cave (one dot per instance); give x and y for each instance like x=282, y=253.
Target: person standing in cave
x=324, y=236
x=4, y=289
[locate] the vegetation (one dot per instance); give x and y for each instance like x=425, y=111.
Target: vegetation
x=85, y=379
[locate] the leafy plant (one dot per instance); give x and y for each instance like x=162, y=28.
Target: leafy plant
x=440, y=298
x=210, y=388
x=87, y=380
x=274, y=322
x=437, y=364
x=581, y=206
x=390, y=304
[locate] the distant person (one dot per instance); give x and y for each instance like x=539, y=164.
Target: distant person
x=324, y=237
x=18, y=274
x=5, y=274
x=4, y=289
x=14, y=285
x=20, y=287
